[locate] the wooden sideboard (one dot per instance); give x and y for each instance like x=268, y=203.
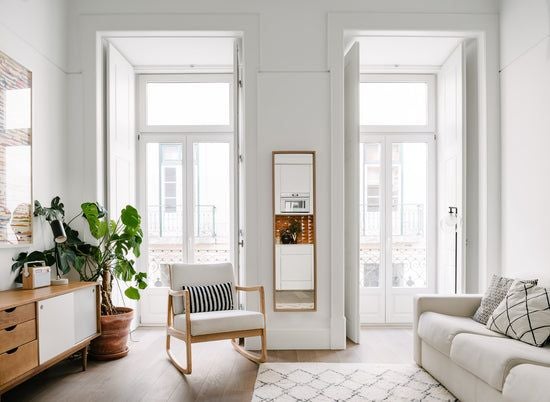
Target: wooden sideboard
x=41, y=327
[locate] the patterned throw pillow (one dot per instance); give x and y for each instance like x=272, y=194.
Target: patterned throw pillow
x=524, y=314
x=210, y=297
x=496, y=292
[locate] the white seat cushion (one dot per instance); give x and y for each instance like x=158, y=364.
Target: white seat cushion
x=213, y=322
x=439, y=330
x=491, y=359
x=527, y=383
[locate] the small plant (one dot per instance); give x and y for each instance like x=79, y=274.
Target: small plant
x=118, y=243
x=294, y=229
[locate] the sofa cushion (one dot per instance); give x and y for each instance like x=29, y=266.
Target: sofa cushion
x=220, y=321
x=524, y=314
x=438, y=330
x=527, y=383
x=495, y=293
x=491, y=358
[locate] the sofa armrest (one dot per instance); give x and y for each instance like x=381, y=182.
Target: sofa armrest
x=464, y=305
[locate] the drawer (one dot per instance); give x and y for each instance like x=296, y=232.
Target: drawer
x=17, y=315
x=18, y=361
x=17, y=335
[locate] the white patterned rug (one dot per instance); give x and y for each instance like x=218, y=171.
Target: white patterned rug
x=322, y=382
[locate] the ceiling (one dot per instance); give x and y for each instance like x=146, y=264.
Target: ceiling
x=174, y=51
x=405, y=51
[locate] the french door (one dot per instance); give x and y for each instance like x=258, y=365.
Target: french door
x=397, y=224
x=186, y=195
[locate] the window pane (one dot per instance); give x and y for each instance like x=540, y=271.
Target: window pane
x=409, y=186
x=370, y=213
x=165, y=217
x=188, y=103
x=212, y=207
x=393, y=103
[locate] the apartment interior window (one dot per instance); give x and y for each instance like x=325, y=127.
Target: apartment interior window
x=170, y=160
x=397, y=103
x=186, y=103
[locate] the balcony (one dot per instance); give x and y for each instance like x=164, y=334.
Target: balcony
x=408, y=246
x=210, y=242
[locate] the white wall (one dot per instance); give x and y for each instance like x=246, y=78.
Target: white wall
x=294, y=97
x=525, y=122
x=34, y=33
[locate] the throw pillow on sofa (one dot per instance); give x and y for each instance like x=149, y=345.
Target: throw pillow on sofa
x=497, y=290
x=524, y=314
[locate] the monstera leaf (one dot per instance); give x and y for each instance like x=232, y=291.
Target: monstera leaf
x=56, y=211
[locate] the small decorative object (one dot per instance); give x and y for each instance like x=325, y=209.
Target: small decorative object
x=294, y=228
x=286, y=237
x=15, y=152
x=36, y=275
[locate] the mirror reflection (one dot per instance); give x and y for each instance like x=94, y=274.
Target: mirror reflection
x=294, y=230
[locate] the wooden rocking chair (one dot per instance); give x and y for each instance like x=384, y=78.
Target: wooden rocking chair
x=215, y=325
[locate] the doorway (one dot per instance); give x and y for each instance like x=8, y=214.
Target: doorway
x=404, y=167
x=180, y=108
x=397, y=225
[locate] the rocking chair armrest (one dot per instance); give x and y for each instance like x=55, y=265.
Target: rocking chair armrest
x=250, y=288
x=259, y=289
x=176, y=293
x=186, y=306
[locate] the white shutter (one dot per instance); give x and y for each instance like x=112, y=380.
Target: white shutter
x=351, y=152
x=121, y=135
x=121, y=146
x=451, y=168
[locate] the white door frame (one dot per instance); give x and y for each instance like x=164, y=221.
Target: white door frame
x=385, y=291
x=484, y=28
x=186, y=140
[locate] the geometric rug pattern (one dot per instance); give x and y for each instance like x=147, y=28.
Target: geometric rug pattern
x=328, y=382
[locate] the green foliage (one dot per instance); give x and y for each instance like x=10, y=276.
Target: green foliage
x=113, y=255
x=56, y=211
x=294, y=227
x=119, y=241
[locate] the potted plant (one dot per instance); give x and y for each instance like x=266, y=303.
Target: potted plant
x=110, y=258
x=295, y=228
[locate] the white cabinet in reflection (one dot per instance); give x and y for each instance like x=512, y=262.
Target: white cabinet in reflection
x=293, y=184
x=294, y=265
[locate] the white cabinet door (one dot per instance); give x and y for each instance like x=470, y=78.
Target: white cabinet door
x=295, y=179
x=294, y=266
x=85, y=313
x=55, y=326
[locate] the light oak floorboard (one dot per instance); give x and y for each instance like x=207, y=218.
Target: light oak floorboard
x=219, y=373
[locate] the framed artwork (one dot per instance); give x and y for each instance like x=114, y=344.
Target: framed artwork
x=15, y=153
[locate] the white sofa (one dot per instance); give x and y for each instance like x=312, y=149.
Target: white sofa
x=474, y=363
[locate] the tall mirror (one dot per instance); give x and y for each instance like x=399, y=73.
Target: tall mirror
x=294, y=246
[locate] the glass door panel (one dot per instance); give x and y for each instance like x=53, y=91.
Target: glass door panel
x=397, y=225
x=165, y=209
x=372, y=273
x=211, y=232
x=409, y=203
x=371, y=204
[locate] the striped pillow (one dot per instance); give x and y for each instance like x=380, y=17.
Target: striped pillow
x=205, y=298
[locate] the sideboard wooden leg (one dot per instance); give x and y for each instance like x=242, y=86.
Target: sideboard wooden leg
x=85, y=358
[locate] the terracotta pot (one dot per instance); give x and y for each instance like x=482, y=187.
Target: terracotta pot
x=112, y=344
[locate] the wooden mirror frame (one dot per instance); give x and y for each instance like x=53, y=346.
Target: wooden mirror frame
x=314, y=230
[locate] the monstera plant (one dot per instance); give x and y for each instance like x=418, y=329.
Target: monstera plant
x=110, y=257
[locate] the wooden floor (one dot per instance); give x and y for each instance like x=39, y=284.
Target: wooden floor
x=219, y=373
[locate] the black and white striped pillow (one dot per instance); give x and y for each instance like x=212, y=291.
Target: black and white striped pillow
x=206, y=298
